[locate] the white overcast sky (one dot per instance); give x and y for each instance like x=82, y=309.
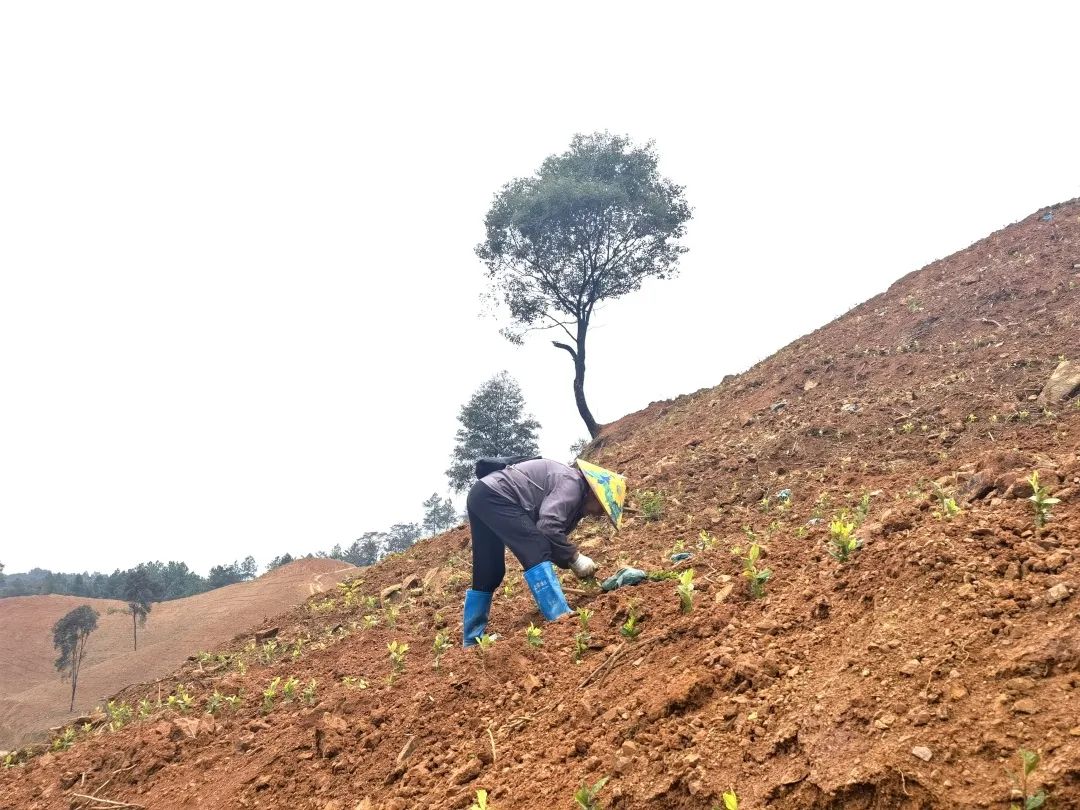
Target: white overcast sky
x=239, y=305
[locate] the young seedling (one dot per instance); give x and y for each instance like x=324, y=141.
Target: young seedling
x=214, y=702
x=288, y=689
x=268, y=651
x=65, y=740
x=180, y=701
x=481, y=802
x=441, y=645
x=685, y=590
x=370, y=621
x=863, y=509
x=270, y=694
x=1042, y=501
x=392, y=615
x=1029, y=761
x=585, y=797
x=309, y=692
x=630, y=627
x=146, y=708
x=842, y=539
x=508, y=589
x=705, y=541
x=233, y=701
x=582, y=637
x=354, y=682
x=584, y=614
x=298, y=649
x=397, y=658
x=651, y=504
x=757, y=577
x=949, y=508
x=119, y=714
x=534, y=635
x=731, y=801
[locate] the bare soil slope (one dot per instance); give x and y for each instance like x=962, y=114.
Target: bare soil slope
x=34, y=699
x=907, y=677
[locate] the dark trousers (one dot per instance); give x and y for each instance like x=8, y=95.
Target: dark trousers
x=497, y=523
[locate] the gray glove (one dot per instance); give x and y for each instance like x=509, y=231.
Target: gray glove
x=582, y=566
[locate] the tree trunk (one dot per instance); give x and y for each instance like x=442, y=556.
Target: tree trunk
x=579, y=378
x=579, y=395
x=74, y=677
x=134, y=631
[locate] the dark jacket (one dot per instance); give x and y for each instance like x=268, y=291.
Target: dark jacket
x=552, y=494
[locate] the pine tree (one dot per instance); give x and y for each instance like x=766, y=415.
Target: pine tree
x=492, y=424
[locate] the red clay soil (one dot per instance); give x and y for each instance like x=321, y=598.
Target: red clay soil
x=34, y=699
x=907, y=677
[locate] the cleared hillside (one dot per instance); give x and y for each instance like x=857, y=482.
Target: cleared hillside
x=34, y=699
x=907, y=677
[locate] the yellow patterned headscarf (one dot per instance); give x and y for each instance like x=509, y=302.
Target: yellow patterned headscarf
x=608, y=487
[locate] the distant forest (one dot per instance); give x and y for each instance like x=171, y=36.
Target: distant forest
x=174, y=580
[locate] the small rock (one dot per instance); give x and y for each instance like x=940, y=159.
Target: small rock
x=406, y=750
x=389, y=591
x=885, y=721
x=1059, y=593
x=1074, y=731
x=910, y=667
x=849, y=407
x=1025, y=706
x=1063, y=384
x=922, y=752
x=467, y=772
x=919, y=717
x=724, y=592
x=957, y=692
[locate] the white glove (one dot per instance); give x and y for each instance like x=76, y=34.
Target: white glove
x=582, y=566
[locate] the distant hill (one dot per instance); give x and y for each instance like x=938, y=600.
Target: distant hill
x=35, y=699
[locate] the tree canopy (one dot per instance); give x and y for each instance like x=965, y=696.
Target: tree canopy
x=492, y=424
x=591, y=225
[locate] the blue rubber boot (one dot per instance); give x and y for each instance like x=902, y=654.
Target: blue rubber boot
x=477, y=608
x=546, y=590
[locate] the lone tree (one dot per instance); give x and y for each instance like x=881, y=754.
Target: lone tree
x=438, y=514
x=591, y=225
x=69, y=638
x=492, y=424
x=140, y=591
